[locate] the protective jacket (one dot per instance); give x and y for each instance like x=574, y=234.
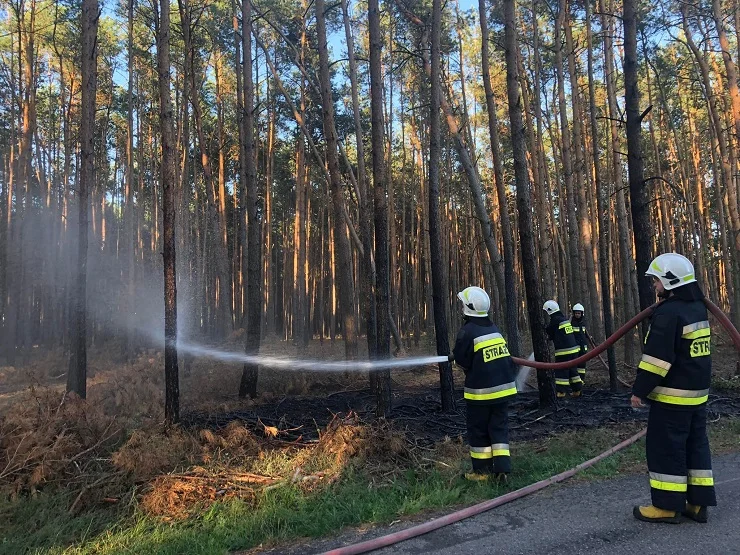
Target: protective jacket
x=560, y=331
x=481, y=351
x=676, y=366
x=580, y=332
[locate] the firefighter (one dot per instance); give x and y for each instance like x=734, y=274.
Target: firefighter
x=560, y=331
x=674, y=376
x=490, y=384
x=578, y=322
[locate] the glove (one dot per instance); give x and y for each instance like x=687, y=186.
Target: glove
x=451, y=357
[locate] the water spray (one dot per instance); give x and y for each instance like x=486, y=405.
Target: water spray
x=307, y=365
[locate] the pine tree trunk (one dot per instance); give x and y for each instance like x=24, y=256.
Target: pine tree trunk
x=367, y=278
x=248, y=385
x=506, y=230
x=640, y=208
x=172, y=381
x=603, y=208
x=380, y=381
x=344, y=254
x=524, y=205
x=573, y=242
x=77, y=373
x=439, y=270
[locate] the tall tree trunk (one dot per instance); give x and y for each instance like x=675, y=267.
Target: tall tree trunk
x=603, y=207
x=524, y=204
x=544, y=214
x=588, y=272
x=573, y=242
x=640, y=208
x=167, y=170
x=221, y=296
x=439, y=270
x=367, y=279
x=344, y=255
x=380, y=380
x=77, y=373
x=625, y=248
x=248, y=385
x=498, y=174
x=128, y=215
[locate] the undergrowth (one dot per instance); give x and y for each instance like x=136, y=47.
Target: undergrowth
x=354, y=479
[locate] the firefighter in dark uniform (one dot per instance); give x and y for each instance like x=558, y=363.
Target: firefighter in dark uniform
x=674, y=375
x=560, y=331
x=490, y=384
x=578, y=323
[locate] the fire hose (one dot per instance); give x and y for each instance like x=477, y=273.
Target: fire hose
x=390, y=539
x=713, y=308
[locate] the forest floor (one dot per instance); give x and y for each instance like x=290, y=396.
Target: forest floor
x=304, y=459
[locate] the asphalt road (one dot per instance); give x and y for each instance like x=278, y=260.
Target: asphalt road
x=593, y=518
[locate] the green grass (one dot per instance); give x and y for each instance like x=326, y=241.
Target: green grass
x=285, y=513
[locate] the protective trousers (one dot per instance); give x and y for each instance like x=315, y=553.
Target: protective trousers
x=582, y=366
x=568, y=379
x=488, y=436
x=678, y=458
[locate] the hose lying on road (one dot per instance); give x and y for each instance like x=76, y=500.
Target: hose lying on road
x=390, y=539
x=713, y=308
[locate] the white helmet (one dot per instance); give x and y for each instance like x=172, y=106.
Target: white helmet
x=551, y=307
x=476, y=301
x=673, y=270
x=578, y=307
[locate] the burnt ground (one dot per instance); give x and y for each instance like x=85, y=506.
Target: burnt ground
x=418, y=412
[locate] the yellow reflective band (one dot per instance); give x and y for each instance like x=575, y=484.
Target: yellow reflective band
x=489, y=343
x=695, y=481
x=566, y=327
x=688, y=278
x=562, y=382
x=657, y=268
x=657, y=362
x=576, y=379
x=500, y=452
x=652, y=368
x=686, y=397
x=706, y=332
x=567, y=351
x=489, y=393
x=667, y=486
x=475, y=455
x=582, y=371
x=482, y=338
x=703, y=324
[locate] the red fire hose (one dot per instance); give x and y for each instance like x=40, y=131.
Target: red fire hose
x=714, y=309
x=457, y=516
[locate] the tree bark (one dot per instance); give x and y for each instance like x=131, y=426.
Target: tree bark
x=603, y=208
x=380, y=380
x=439, y=270
x=642, y=229
x=524, y=205
x=344, y=255
x=574, y=252
x=167, y=169
x=77, y=373
x=248, y=385
x=506, y=230
x=367, y=279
